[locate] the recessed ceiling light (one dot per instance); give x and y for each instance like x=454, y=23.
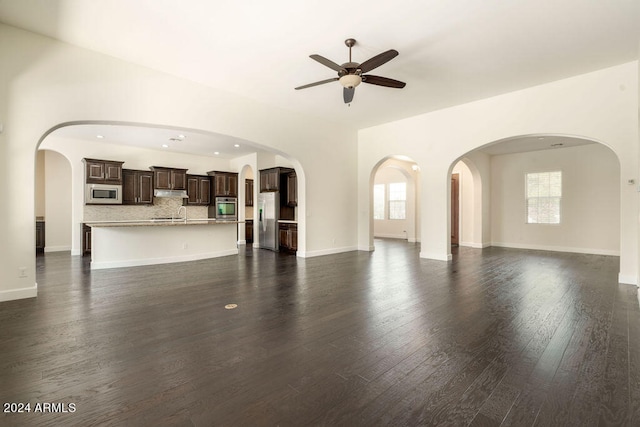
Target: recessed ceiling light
x=236, y=145
x=181, y=136
x=216, y=152
x=165, y=145
x=99, y=136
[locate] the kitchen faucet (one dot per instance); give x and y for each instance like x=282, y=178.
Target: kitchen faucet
x=185, y=212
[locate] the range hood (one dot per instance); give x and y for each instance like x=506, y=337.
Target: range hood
x=170, y=193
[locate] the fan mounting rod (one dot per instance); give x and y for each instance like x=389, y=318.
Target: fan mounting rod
x=350, y=43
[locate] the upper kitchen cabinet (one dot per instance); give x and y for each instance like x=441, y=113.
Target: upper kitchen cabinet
x=277, y=179
x=137, y=187
x=270, y=180
x=169, y=178
x=103, y=171
x=292, y=190
x=224, y=183
x=248, y=192
x=198, y=190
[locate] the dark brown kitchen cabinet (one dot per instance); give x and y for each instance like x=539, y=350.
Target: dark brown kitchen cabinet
x=169, y=178
x=248, y=231
x=198, y=190
x=86, y=239
x=292, y=190
x=103, y=171
x=270, y=180
x=288, y=233
x=225, y=184
x=137, y=187
x=40, y=233
x=248, y=192
x=274, y=179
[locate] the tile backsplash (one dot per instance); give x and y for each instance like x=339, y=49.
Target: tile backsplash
x=163, y=207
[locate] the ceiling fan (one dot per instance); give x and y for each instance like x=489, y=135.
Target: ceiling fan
x=351, y=74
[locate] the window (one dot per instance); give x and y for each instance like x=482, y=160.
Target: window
x=398, y=200
x=378, y=201
x=544, y=191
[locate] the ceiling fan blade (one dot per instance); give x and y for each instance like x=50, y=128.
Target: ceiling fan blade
x=383, y=81
x=328, y=63
x=378, y=60
x=348, y=93
x=321, y=82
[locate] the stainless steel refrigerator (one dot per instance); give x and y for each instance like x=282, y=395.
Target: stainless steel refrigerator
x=268, y=214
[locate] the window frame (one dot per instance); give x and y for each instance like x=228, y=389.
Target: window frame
x=527, y=198
x=390, y=201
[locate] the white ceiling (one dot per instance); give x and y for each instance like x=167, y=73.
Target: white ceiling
x=157, y=138
x=451, y=52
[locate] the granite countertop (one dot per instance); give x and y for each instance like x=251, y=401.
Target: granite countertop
x=159, y=222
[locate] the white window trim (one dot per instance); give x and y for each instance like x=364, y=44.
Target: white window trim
x=526, y=199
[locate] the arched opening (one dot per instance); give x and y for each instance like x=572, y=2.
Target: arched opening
x=511, y=208
x=394, y=197
x=142, y=146
x=53, y=202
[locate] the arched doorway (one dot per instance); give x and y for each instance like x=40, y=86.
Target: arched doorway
x=242, y=156
x=53, y=201
x=395, y=202
x=587, y=199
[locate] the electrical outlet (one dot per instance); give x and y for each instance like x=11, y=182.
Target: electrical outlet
x=184, y=246
x=22, y=272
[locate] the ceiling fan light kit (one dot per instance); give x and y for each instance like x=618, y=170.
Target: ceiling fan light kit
x=350, y=80
x=350, y=74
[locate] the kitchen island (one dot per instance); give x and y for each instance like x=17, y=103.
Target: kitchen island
x=146, y=242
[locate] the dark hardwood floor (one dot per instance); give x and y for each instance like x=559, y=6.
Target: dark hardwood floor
x=495, y=337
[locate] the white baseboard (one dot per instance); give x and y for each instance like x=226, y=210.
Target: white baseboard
x=366, y=248
x=475, y=245
x=22, y=293
x=330, y=251
x=57, y=249
x=627, y=279
x=76, y=251
x=592, y=251
x=242, y=242
x=437, y=257
x=168, y=260
x=391, y=236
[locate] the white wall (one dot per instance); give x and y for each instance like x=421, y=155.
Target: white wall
x=58, y=203
x=600, y=106
x=39, y=91
x=39, y=207
x=590, y=206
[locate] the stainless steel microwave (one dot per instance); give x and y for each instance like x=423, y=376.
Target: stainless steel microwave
x=103, y=194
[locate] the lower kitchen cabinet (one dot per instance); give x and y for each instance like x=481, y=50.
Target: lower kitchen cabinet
x=248, y=231
x=86, y=239
x=288, y=233
x=40, y=236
